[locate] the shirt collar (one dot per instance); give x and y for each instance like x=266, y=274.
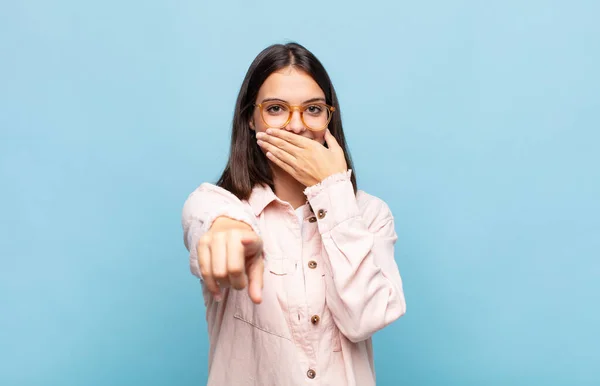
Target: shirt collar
x=262, y=196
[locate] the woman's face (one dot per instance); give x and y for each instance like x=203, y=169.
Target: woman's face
x=296, y=88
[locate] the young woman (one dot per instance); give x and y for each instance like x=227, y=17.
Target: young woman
x=296, y=264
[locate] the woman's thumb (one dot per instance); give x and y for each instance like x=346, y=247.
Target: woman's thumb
x=330, y=139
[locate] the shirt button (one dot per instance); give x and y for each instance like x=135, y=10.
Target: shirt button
x=312, y=219
x=312, y=264
x=321, y=213
x=311, y=374
x=315, y=319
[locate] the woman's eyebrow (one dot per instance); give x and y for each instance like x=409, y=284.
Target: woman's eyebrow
x=314, y=100
x=273, y=100
x=284, y=101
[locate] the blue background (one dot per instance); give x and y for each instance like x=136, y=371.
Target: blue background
x=476, y=121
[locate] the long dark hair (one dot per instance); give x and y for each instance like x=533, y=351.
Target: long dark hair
x=247, y=165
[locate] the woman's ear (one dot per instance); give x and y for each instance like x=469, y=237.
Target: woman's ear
x=251, y=123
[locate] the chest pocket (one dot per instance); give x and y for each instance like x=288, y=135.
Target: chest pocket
x=272, y=314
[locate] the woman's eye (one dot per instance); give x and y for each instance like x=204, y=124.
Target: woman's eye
x=314, y=109
x=274, y=109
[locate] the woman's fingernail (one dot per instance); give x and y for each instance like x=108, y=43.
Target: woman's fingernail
x=269, y=131
x=218, y=297
x=260, y=143
x=260, y=135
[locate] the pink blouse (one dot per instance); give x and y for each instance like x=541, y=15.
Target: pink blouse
x=330, y=283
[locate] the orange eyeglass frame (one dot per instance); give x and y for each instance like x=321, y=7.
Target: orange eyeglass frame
x=299, y=108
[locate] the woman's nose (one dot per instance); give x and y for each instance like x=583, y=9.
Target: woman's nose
x=296, y=125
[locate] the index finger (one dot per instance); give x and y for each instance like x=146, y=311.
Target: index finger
x=292, y=138
x=255, y=280
x=236, y=261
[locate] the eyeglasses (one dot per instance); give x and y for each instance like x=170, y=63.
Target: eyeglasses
x=277, y=114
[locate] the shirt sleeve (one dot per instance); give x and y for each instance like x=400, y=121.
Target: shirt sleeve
x=364, y=287
x=202, y=207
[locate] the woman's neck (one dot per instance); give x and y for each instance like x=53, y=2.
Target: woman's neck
x=287, y=188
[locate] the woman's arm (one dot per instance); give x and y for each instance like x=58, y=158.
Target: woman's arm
x=221, y=235
x=364, y=288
